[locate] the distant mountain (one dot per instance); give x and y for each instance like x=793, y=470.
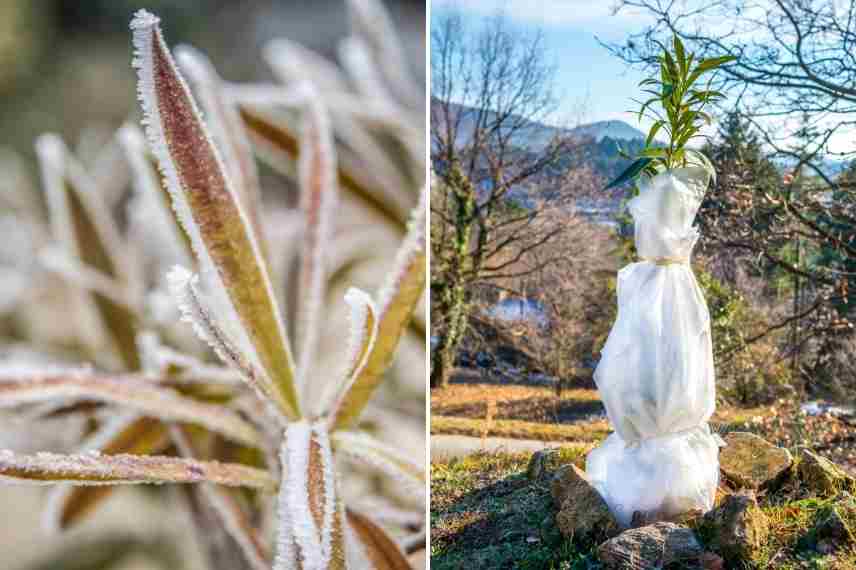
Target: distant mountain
x=616, y=130
x=533, y=135
x=605, y=140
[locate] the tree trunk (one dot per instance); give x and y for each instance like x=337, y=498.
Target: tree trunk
x=443, y=360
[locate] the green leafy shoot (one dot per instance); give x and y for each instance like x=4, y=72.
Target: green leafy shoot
x=677, y=105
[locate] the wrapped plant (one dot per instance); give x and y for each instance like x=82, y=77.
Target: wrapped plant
x=276, y=415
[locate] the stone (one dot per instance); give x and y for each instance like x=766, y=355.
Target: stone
x=537, y=467
x=833, y=528
x=821, y=475
x=583, y=514
x=739, y=527
x=751, y=462
x=711, y=561
x=652, y=546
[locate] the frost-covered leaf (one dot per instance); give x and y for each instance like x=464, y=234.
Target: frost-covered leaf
x=357, y=60
x=96, y=469
x=309, y=510
x=372, y=23
x=276, y=141
x=363, y=330
x=195, y=311
x=87, y=231
x=398, y=298
x=317, y=177
x=292, y=62
x=208, y=207
x=228, y=133
x=227, y=509
x=365, y=449
x=127, y=391
x=152, y=206
x=172, y=367
x=126, y=434
x=379, y=548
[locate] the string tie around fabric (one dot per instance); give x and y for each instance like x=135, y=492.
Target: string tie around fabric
x=704, y=427
x=662, y=261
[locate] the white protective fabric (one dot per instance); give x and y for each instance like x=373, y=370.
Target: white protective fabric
x=656, y=374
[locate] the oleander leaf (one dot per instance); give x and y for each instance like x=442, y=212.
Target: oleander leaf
x=195, y=310
x=127, y=391
x=87, y=231
x=125, y=434
x=370, y=20
x=96, y=469
x=228, y=132
x=209, y=208
x=379, y=548
x=277, y=144
x=397, y=300
x=361, y=337
x=153, y=203
x=310, y=513
x=318, y=198
x=630, y=172
x=365, y=449
x=225, y=507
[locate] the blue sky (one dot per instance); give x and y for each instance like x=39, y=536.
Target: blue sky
x=592, y=84
x=589, y=78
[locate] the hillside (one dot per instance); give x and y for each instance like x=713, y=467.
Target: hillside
x=604, y=138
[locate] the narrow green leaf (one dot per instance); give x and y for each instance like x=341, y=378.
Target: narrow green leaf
x=630, y=173
x=680, y=54
x=653, y=132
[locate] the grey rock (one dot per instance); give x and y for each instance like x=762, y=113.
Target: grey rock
x=740, y=527
x=649, y=547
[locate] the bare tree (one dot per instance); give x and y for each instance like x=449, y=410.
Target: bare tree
x=490, y=88
x=573, y=297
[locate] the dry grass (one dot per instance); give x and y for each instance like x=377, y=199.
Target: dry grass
x=591, y=431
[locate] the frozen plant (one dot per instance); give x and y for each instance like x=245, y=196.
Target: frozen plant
x=279, y=429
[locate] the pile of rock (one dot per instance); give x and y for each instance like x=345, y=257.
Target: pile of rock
x=734, y=532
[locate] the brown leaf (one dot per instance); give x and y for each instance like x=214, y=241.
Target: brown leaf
x=381, y=550
x=137, y=436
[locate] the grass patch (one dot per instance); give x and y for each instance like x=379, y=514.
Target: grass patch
x=586, y=432
x=527, y=403
x=485, y=513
